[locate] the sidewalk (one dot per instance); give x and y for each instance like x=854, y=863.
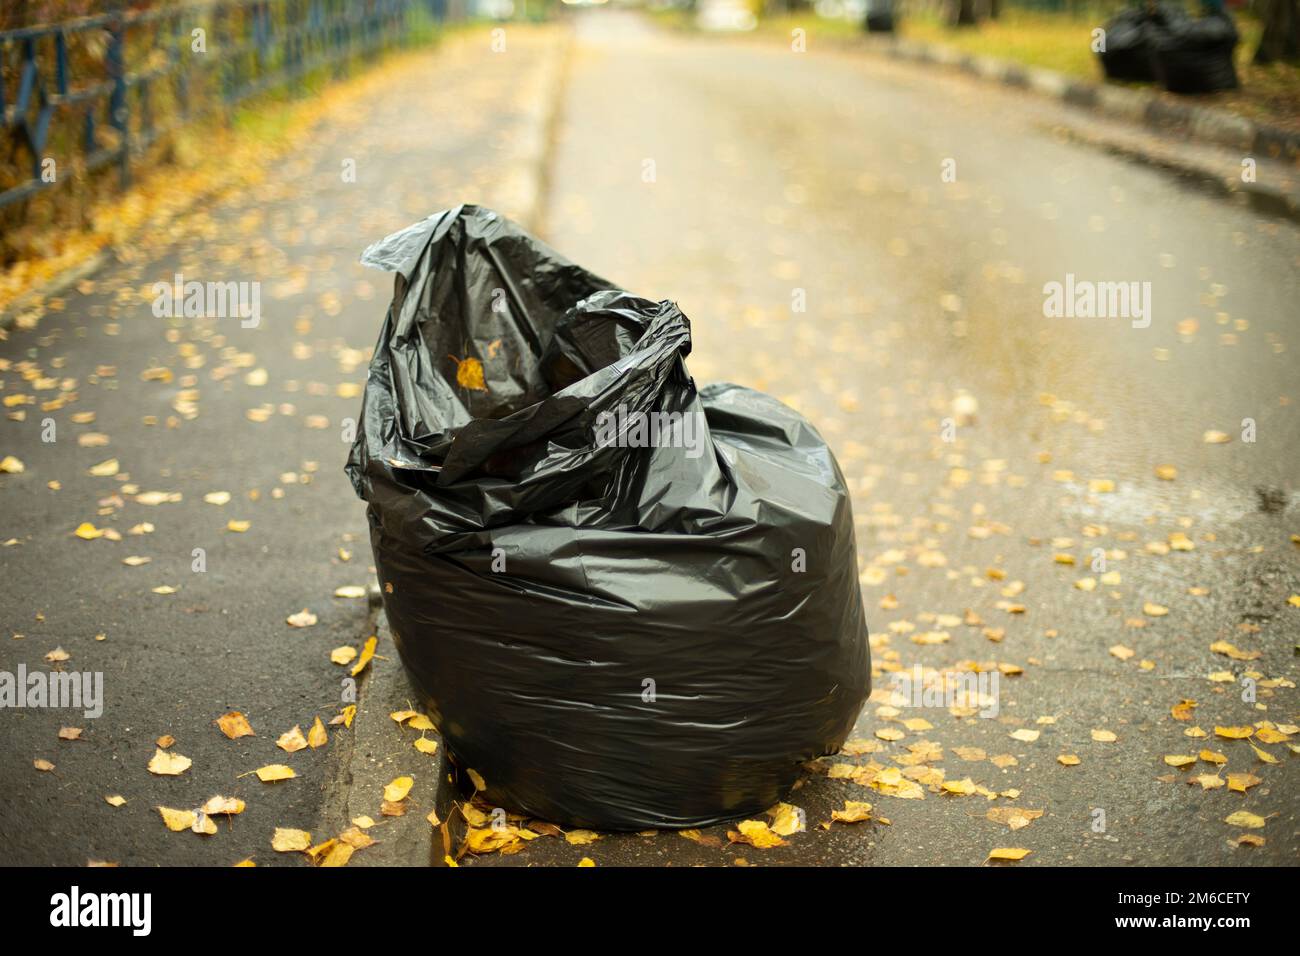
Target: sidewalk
x=211, y=435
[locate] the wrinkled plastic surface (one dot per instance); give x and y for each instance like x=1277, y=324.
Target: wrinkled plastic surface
x=1130, y=36
x=880, y=16
x=1195, y=56
x=1161, y=43
x=612, y=637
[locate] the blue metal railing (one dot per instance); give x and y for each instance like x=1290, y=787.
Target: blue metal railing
x=246, y=47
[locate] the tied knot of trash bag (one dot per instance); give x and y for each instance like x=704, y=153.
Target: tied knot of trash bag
x=495, y=363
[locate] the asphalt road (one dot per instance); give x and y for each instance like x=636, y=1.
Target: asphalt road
x=173, y=663
x=738, y=178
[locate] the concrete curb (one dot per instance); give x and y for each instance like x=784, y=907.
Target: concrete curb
x=56, y=286
x=525, y=186
x=1204, y=123
x=380, y=748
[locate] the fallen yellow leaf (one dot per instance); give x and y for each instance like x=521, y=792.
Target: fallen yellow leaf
x=292, y=740
x=855, y=811
x=317, y=737
x=367, y=652
x=469, y=374
x=1244, y=818
x=274, y=772
x=235, y=725
x=286, y=840
x=177, y=820
x=167, y=764
x=756, y=833
x=398, y=788
x=1008, y=853
x=303, y=618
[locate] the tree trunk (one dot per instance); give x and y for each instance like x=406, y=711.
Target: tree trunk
x=965, y=10
x=1281, y=37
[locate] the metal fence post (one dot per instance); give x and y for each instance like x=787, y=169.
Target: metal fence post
x=118, y=117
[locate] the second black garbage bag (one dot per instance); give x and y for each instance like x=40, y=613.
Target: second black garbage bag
x=629, y=603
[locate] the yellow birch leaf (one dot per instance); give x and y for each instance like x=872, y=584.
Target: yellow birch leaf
x=223, y=805
x=317, y=737
x=339, y=854
x=367, y=652
x=855, y=811
x=292, y=740
x=480, y=840
x=177, y=820
x=469, y=374
x=286, y=840
x=235, y=725
x=1241, y=782
x=398, y=789
x=166, y=764
x=1008, y=853
x=356, y=838
x=786, y=819
x=1233, y=733
x=756, y=833
x=1244, y=818
x=1263, y=755
x=314, y=853
x=274, y=772
x=959, y=787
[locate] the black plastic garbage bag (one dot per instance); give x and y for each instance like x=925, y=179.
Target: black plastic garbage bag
x=1130, y=34
x=1195, y=55
x=612, y=634
x=879, y=16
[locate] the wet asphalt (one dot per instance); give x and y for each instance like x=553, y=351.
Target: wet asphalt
x=738, y=178
x=742, y=179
